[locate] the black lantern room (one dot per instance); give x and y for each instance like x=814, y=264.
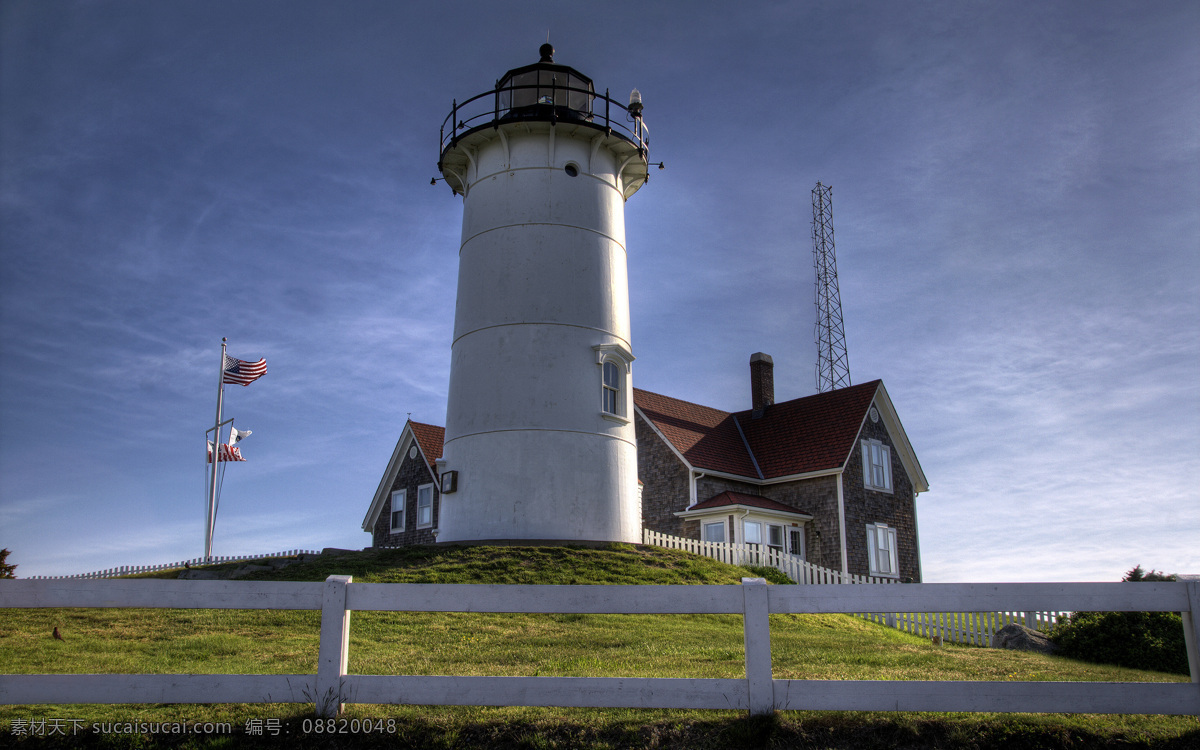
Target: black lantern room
x=546, y=89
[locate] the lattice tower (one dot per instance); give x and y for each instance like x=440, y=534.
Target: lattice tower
x=833, y=364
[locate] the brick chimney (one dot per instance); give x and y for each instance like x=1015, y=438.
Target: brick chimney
x=762, y=382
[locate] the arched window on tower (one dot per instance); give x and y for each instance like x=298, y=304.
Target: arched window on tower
x=615, y=401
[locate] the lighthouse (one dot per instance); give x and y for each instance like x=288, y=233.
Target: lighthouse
x=540, y=441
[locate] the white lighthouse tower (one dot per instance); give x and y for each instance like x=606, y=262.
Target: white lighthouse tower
x=540, y=440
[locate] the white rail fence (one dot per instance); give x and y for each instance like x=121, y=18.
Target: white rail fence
x=128, y=570
x=972, y=628
x=759, y=692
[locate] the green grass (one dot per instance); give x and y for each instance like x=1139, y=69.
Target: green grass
x=803, y=647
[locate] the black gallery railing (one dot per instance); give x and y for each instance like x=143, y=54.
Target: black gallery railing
x=547, y=103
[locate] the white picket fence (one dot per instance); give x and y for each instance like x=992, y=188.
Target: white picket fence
x=758, y=691
x=127, y=570
x=972, y=628
x=792, y=566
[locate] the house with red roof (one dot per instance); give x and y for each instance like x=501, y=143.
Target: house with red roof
x=831, y=477
x=404, y=509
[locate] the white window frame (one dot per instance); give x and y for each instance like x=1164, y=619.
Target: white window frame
x=425, y=524
x=621, y=359
x=611, y=387
x=705, y=528
x=877, y=465
x=882, y=555
x=782, y=530
x=403, y=498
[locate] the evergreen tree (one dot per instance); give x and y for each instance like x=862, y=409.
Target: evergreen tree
x=6, y=569
x=1137, y=575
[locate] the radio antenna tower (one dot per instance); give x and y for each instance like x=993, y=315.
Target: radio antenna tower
x=833, y=364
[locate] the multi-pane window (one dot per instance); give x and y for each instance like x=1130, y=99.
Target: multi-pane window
x=775, y=537
x=881, y=550
x=612, y=387
x=398, y=500
x=877, y=466
x=424, y=506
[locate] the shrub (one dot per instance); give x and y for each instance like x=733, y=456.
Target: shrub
x=1139, y=640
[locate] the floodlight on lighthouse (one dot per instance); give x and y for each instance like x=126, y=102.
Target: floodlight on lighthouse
x=635, y=103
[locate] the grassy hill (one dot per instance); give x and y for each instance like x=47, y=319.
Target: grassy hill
x=804, y=646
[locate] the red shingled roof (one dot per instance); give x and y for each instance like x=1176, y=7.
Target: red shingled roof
x=739, y=498
x=706, y=437
x=813, y=433
x=431, y=437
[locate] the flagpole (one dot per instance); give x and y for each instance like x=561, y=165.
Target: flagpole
x=216, y=455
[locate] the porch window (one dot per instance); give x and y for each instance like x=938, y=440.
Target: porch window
x=775, y=537
x=752, y=530
x=714, y=532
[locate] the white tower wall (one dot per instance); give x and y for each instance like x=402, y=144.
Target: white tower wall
x=543, y=299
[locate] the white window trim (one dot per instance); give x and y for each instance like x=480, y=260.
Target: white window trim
x=881, y=541
x=885, y=455
x=402, y=495
x=431, y=488
x=623, y=359
x=782, y=546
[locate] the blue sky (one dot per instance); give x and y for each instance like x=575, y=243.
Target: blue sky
x=1016, y=199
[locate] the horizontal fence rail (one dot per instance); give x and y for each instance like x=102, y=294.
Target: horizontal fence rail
x=127, y=570
x=758, y=692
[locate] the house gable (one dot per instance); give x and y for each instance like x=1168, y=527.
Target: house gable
x=428, y=440
x=870, y=507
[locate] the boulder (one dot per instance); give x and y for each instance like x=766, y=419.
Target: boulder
x=1021, y=638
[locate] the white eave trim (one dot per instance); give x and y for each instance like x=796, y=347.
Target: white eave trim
x=724, y=510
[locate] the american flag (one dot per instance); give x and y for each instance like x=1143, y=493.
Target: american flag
x=243, y=373
x=226, y=453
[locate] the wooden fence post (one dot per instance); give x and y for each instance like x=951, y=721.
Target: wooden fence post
x=333, y=655
x=756, y=626
x=1191, y=629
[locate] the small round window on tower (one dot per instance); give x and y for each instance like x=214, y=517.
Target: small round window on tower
x=571, y=170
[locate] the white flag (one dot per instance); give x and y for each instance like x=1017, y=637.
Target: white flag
x=235, y=435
